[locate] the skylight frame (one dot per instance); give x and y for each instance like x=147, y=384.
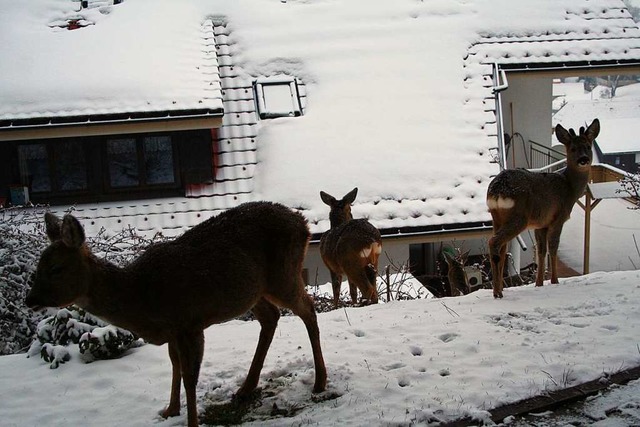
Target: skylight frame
x=262, y=107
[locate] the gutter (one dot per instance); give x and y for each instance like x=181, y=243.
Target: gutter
x=430, y=233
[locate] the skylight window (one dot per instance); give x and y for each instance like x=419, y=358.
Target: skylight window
x=277, y=96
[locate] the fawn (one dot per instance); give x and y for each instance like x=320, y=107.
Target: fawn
x=519, y=199
x=247, y=258
x=351, y=247
x=458, y=281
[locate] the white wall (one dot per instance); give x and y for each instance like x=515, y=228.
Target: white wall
x=526, y=108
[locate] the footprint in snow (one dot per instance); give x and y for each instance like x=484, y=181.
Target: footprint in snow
x=415, y=350
x=393, y=366
x=448, y=337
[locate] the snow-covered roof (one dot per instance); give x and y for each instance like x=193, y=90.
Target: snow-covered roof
x=619, y=116
x=398, y=95
x=133, y=57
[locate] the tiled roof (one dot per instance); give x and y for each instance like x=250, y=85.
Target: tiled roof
x=447, y=196
x=83, y=82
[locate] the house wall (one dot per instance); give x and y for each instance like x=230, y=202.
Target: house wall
x=527, y=111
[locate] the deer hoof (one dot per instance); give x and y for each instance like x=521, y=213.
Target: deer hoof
x=170, y=412
x=497, y=295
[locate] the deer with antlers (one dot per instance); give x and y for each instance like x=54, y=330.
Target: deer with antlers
x=519, y=199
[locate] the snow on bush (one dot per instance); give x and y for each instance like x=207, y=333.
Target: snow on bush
x=72, y=325
x=22, y=239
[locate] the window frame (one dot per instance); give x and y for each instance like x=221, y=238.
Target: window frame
x=142, y=185
x=98, y=187
x=283, y=80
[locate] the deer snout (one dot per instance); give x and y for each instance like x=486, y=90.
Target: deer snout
x=584, y=161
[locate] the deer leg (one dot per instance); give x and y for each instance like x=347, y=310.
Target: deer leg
x=554, y=242
x=497, y=252
x=541, y=254
x=176, y=378
x=359, y=277
x=304, y=309
x=353, y=292
x=268, y=315
x=336, y=283
x=190, y=346
x=505, y=230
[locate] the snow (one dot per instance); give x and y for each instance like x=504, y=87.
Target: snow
x=388, y=364
x=618, y=115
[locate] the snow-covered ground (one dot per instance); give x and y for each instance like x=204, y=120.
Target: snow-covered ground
x=390, y=364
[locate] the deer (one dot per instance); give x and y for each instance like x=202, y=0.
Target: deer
x=350, y=247
x=247, y=258
x=519, y=199
x=458, y=281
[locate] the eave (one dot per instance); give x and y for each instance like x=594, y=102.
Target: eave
x=108, y=124
x=432, y=233
x=570, y=68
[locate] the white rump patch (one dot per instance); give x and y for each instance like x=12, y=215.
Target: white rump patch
x=500, y=202
x=375, y=247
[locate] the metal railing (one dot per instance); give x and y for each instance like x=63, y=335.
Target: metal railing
x=541, y=156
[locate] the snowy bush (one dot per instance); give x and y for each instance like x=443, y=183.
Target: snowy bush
x=72, y=325
x=22, y=239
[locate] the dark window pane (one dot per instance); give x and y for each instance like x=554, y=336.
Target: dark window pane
x=71, y=166
x=158, y=155
x=122, y=158
x=34, y=167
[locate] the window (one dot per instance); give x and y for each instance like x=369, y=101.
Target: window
x=140, y=161
x=277, y=97
x=53, y=166
x=107, y=168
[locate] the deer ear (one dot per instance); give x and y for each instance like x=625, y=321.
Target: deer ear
x=593, y=130
x=72, y=232
x=328, y=199
x=563, y=135
x=351, y=196
x=52, y=225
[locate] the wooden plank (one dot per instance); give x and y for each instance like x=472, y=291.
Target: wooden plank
x=553, y=399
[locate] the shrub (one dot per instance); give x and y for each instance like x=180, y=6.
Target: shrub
x=72, y=325
x=22, y=239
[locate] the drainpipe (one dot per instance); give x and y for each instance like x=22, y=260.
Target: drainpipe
x=500, y=76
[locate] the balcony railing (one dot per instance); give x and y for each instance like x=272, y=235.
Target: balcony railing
x=541, y=156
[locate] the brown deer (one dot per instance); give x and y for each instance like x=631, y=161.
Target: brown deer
x=519, y=199
x=351, y=247
x=247, y=258
x=458, y=281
